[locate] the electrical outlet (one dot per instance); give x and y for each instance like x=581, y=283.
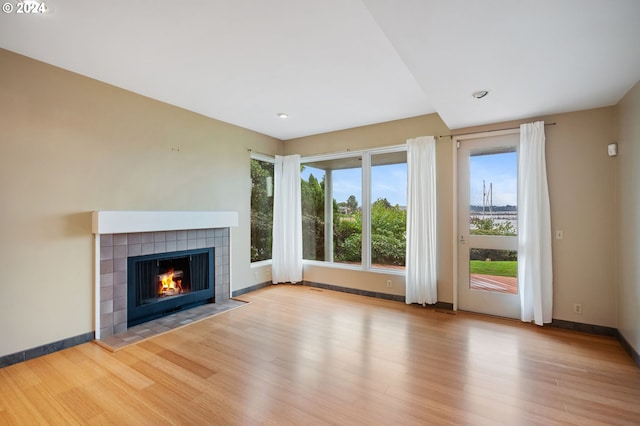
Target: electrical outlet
x=577, y=308
x=389, y=284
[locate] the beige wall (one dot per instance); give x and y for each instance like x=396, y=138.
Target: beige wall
x=581, y=178
x=71, y=145
x=628, y=217
x=381, y=135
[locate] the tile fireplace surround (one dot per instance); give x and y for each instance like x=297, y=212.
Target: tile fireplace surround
x=119, y=234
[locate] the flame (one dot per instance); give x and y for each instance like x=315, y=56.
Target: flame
x=167, y=285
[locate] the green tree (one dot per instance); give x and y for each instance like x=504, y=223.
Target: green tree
x=312, y=194
x=388, y=228
x=388, y=233
x=261, y=210
x=347, y=238
x=352, y=203
x=490, y=227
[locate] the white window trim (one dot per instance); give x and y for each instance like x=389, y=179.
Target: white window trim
x=347, y=154
x=262, y=157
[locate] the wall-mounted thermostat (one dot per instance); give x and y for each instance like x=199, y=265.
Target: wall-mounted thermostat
x=612, y=149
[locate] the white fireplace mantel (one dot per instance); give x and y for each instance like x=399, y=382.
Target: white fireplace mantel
x=122, y=222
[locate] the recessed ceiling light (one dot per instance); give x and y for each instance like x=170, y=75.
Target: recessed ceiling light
x=282, y=115
x=480, y=94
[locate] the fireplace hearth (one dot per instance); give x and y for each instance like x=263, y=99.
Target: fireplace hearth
x=163, y=283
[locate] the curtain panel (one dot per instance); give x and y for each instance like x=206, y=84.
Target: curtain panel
x=287, y=221
x=535, y=272
x=421, y=267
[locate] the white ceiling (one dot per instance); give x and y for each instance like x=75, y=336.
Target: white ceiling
x=336, y=64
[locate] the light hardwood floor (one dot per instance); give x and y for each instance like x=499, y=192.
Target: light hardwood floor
x=300, y=355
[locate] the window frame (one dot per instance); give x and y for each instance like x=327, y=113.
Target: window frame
x=365, y=154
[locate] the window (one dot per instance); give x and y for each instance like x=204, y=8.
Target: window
x=331, y=193
x=389, y=209
x=261, y=208
x=493, y=191
x=359, y=200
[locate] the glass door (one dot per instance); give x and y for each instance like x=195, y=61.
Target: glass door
x=488, y=225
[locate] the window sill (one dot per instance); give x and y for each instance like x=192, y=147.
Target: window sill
x=261, y=263
x=335, y=265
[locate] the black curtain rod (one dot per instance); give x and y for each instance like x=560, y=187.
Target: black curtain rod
x=488, y=131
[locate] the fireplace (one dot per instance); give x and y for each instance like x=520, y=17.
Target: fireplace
x=160, y=284
x=121, y=235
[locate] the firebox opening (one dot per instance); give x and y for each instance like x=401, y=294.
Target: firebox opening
x=159, y=284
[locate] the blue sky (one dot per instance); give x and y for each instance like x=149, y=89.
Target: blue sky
x=389, y=181
x=499, y=169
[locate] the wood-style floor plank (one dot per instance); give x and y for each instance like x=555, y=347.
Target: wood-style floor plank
x=300, y=355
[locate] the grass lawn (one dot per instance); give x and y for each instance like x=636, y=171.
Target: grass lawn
x=501, y=268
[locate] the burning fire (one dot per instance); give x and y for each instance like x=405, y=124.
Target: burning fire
x=170, y=283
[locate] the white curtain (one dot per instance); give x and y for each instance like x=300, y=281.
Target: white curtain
x=535, y=272
x=287, y=221
x=421, y=265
